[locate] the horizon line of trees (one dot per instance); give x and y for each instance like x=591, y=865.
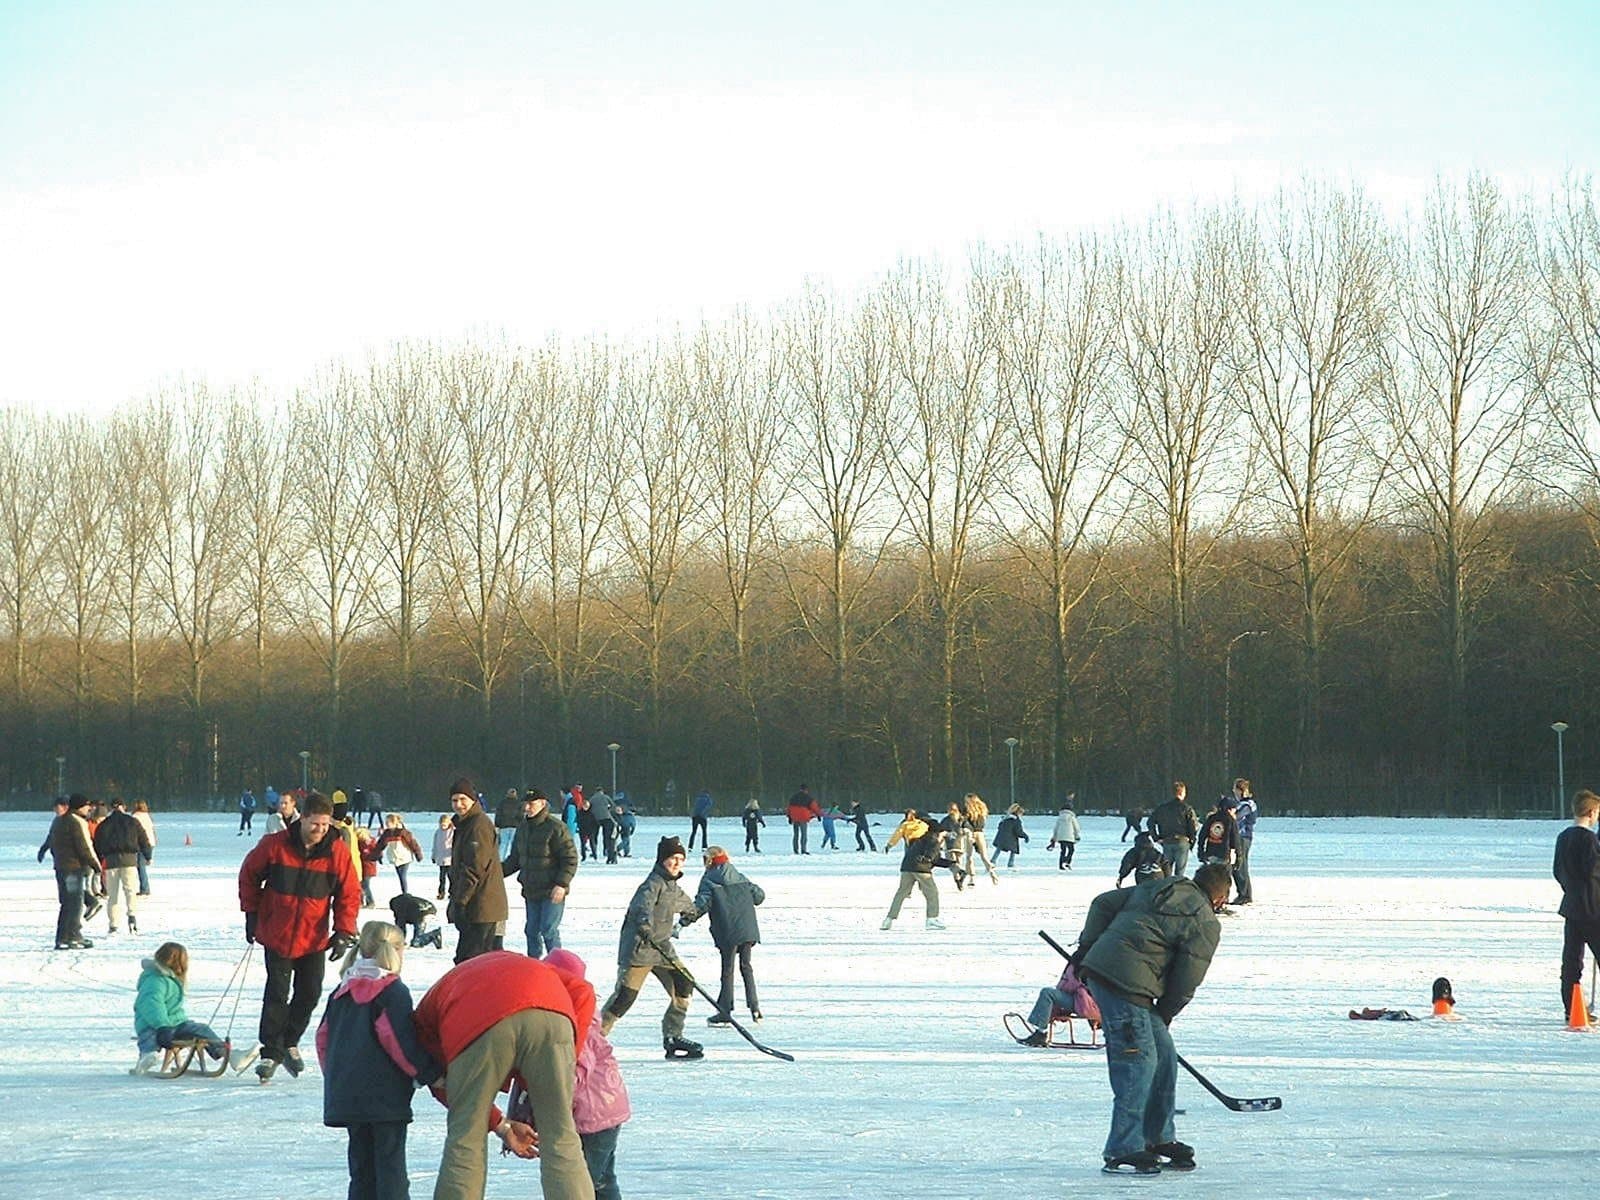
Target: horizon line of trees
x=1286, y=491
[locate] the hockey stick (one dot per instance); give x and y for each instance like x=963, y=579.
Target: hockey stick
x=1254, y=1104
x=676, y=964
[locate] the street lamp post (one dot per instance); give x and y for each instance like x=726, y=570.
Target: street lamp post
x=1227, y=699
x=1561, y=768
x=61, y=774
x=1011, y=749
x=305, y=762
x=613, y=747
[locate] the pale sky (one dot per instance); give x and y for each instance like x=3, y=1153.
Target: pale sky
x=248, y=191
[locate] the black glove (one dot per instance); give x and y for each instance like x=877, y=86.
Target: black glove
x=250, y=927
x=41, y=853
x=340, y=943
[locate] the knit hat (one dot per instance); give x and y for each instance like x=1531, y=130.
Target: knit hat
x=566, y=962
x=77, y=801
x=463, y=787
x=667, y=847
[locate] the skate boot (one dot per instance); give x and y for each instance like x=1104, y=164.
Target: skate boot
x=265, y=1069
x=1141, y=1163
x=1174, y=1156
x=934, y=923
x=293, y=1063
x=681, y=1047
x=719, y=1018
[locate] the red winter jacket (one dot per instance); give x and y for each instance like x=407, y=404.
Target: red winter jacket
x=293, y=891
x=801, y=813
x=469, y=998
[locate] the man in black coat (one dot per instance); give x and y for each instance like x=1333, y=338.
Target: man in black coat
x=544, y=855
x=74, y=859
x=1577, y=870
x=1175, y=826
x=121, y=842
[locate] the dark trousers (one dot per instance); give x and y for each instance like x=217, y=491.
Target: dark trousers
x=143, y=864
x=293, y=991
x=608, y=837
x=740, y=952
x=863, y=832
x=752, y=838
x=69, y=892
x=600, y=1156
x=1575, y=935
x=245, y=821
x=378, y=1161
x=1066, y=849
x=698, y=825
x=799, y=846
x=474, y=939
x=1241, y=873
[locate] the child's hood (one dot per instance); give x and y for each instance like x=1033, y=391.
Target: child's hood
x=364, y=982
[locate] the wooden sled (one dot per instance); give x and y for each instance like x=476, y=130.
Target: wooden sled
x=187, y=1056
x=1053, y=1038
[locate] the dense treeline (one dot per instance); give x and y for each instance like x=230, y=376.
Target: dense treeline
x=1295, y=492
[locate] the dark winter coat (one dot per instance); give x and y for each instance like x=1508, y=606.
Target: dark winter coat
x=1245, y=814
x=1152, y=944
x=1577, y=870
x=294, y=891
x=543, y=855
x=656, y=902
x=1174, y=821
x=120, y=841
x=477, y=887
x=752, y=819
x=1010, y=835
x=921, y=837
x=70, y=845
x=701, y=806
x=368, y=1048
x=731, y=900
x=1219, y=836
x=508, y=813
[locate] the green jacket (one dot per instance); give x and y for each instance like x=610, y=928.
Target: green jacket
x=658, y=900
x=159, y=1004
x=1152, y=943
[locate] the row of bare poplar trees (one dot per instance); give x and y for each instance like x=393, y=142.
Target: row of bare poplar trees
x=732, y=547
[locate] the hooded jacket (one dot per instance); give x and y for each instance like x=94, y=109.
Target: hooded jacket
x=159, y=1003
x=1151, y=944
x=294, y=891
x=921, y=837
x=599, y=1097
x=368, y=1049
x=731, y=900
x=656, y=901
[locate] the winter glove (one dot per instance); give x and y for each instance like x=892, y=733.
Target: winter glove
x=340, y=943
x=41, y=853
x=250, y=927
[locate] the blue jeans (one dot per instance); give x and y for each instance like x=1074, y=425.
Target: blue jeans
x=1143, y=1066
x=400, y=869
x=154, y=1039
x=505, y=840
x=1049, y=1000
x=1176, y=852
x=143, y=864
x=600, y=1156
x=543, y=925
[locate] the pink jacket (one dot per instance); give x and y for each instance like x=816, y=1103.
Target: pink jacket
x=599, y=1100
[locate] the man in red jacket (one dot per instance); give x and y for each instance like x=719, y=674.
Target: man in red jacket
x=496, y=1017
x=289, y=885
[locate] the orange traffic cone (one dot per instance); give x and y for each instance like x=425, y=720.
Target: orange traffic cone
x=1578, y=1015
x=187, y=840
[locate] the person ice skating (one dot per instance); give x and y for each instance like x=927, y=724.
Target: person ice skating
x=141, y=814
x=1132, y=822
x=507, y=816
x=1244, y=812
x=1219, y=835
x=858, y=818
x=976, y=813
x=545, y=860
x=922, y=853
x=291, y=886
x=158, y=1016
x=803, y=809
x=588, y=829
x=477, y=886
x=247, y=812
x=599, y=1097
x=1175, y=826
x=494, y=1019
x=731, y=899
x=699, y=815
x=1065, y=835
x=1008, y=838
x=285, y=815
x=1577, y=870
x=411, y=915
x=605, y=811
x=1143, y=952
x=627, y=824
x=957, y=843
x=658, y=903
x=752, y=820
x=399, y=846
x=372, y=1061
x=443, y=840
x=341, y=806
x=1144, y=861
x=121, y=844
x=75, y=860
x=830, y=836
x=368, y=852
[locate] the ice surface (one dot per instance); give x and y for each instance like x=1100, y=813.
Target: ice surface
x=905, y=1085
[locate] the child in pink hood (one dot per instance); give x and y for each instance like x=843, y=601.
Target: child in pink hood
x=599, y=1099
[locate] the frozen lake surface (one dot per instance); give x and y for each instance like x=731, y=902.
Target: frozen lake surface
x=906, y=1085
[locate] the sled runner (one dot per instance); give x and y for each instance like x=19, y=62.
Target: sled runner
x=1019, y=1029
x=187, y=1056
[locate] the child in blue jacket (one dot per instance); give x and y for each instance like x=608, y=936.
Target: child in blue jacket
x=372, y=1062
x=158, y=1016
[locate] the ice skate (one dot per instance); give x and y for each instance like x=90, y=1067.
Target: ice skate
x=680, y=1047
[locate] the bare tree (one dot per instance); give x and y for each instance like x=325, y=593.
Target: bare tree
x=1175, y=321
x=1311, y=315
x=739, y=393
x=1055, y=358
x=135, y=505
x=944, y=442
x=26, y=493
x=838, y=370
x=1459, y=399
x=484, y=475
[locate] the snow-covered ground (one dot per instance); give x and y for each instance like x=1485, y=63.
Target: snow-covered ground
x=905, y=1084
